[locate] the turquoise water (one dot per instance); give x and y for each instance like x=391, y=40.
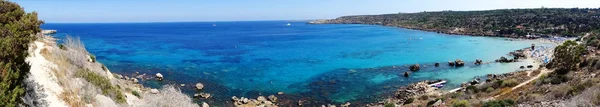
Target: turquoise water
x=322, y=63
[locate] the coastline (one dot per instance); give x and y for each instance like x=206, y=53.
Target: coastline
x=146, y=76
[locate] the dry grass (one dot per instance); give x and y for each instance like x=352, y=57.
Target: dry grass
x=169, y=96
x=71, y=98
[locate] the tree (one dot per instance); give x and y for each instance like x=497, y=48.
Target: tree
x=567, y=56
x=17, y=30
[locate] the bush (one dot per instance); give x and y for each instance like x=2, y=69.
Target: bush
x=499, y=103
x=62, y=47
x=168, y=96
x=510, y=83
x=461, y=103
x=17, y=30
x=580, y=87
x=410, y=100
x=489, y=89
x=567, y=56
x=389, y=105
x=472, y=88
x=93, y=58
x=103, y=83
x=136, y=93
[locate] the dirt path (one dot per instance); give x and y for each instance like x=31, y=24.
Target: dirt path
x=542, y=72
x=40, y=73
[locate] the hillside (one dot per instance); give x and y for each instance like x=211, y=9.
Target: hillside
x=503, y=22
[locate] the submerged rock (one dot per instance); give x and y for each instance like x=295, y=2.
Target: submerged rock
x=406, y=74
x=437, y=64
x=415, y=67
x=199, y=86
x=280, y=93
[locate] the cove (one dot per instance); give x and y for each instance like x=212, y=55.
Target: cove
x=326, y=63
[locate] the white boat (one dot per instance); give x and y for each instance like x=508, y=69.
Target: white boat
x=214, y=24
x=289, y=24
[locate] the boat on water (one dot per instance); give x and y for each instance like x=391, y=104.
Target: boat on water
x=288, y=24
x=214, y=24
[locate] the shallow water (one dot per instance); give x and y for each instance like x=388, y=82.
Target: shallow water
x=329, y=63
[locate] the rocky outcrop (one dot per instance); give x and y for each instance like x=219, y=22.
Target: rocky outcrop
x=451, y=63
x=199, y=86
x=478, y=62
x=415, y=67
x=261, y=101
x=504, y=60
x=459, y=63
x=159, y=76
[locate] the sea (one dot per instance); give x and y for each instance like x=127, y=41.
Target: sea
x=316, y=63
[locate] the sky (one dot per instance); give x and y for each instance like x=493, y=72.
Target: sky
x=115, y=11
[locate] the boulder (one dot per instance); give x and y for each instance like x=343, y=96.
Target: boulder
x=154, y=91
x=436, y=64
x=261, y=98
x=272, y=98
x=406, y=74
x=347, y=104
x=503, y=59
x=478, y=62
x=459, y=62
x=159, y=76
x=415, y=67
x=199, y=86
x=204, y=95
x=204, y=104
x=451, y=63
x=135, y=80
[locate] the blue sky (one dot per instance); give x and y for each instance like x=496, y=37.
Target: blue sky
x=100, y=11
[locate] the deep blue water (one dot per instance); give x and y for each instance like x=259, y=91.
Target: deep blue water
x=328, y=63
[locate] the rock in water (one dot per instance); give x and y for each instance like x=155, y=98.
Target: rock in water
x=406, y=74
x=154, y=91
x=522, y=67
x=478, y=62
x=450, y=63
x=261, y=98
x=159, y=76
x=280, y=93
x=199, y=86
x=459, y=62
x=529, y=66
x=183, y=85
x=415, y=67
x=272, y=98
x=437, y=64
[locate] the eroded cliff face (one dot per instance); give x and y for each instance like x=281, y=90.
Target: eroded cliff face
x=68, y=75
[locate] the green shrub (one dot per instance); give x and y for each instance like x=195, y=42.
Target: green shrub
x=16, y=32
x=93, y=58
x=62, y=46
x=136, y=93
x=460, y=103
x=580, y=87
x=103, y=83
x=410, y=100
x=499, y=103
x=489, y=89
x=472, y=88
x=389, y=105
x=510, y=83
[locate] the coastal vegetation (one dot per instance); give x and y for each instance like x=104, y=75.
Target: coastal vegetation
x=17, y=29
x=501, y=22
